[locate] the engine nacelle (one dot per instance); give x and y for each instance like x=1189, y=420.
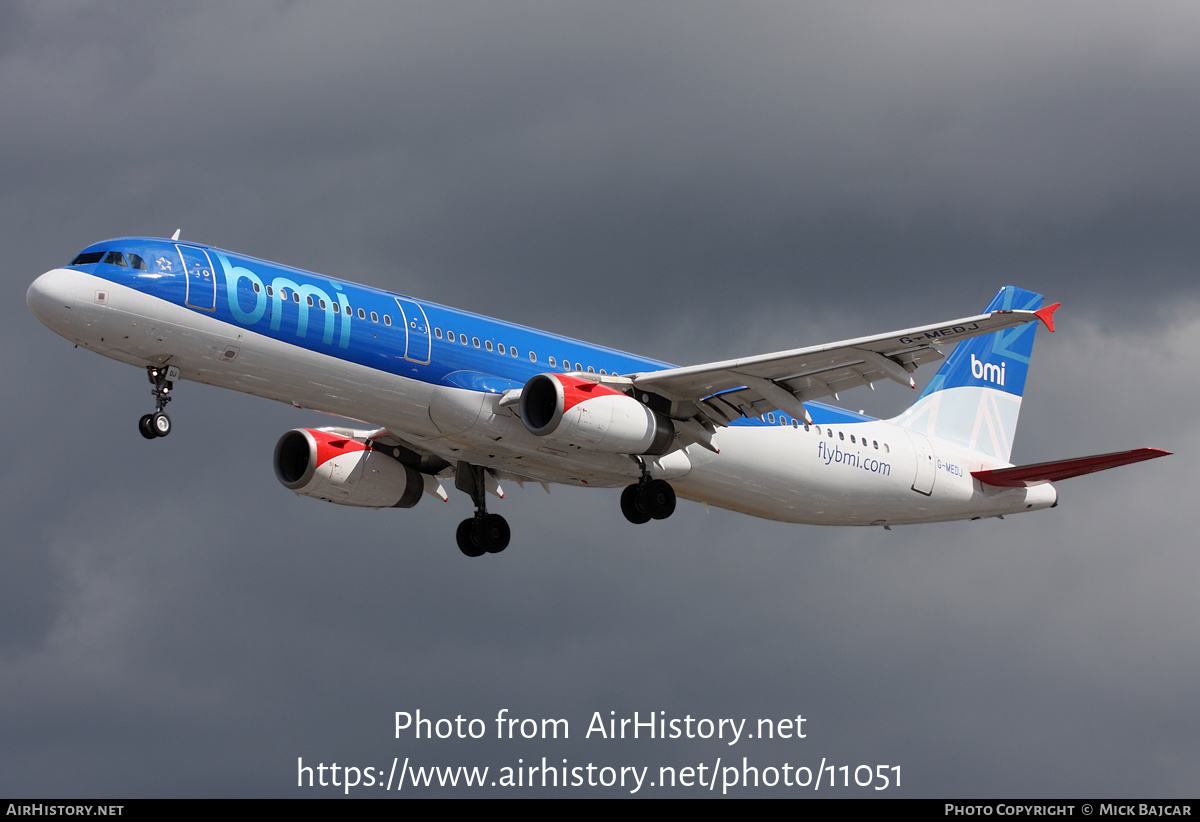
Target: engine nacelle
x=592, y=416
x=335, y=468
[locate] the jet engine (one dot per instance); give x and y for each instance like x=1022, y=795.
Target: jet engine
x=592, y=416
x=336, y=468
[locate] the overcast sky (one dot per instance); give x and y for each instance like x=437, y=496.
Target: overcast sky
x=689, y=181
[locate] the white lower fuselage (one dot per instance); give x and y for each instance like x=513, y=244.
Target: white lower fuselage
x=858, y=473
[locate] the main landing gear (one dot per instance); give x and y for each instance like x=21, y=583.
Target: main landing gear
x=648, y=499
x=483, y=533
x=158, y=424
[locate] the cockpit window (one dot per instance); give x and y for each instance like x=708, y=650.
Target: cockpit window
x=116, y=258
x=88, y=258
x=136, y=262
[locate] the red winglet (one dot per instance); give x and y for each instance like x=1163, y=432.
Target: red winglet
x=1046, y=315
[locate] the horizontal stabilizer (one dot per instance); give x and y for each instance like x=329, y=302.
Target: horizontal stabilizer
x=1020, y=476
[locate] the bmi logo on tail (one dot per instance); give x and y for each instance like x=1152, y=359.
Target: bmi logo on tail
x=987, y=371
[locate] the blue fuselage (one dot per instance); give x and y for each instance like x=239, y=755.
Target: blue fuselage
x=378, y=329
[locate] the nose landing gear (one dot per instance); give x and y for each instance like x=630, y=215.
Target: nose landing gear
x=158, y=424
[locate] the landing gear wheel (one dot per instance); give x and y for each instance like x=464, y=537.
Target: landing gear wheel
x=633, y=506
x=658, y=498
x=160, y=424
x=483, y=533
x=493, y=533
x=466, y=539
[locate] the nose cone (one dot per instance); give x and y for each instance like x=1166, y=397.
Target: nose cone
x=51, y=297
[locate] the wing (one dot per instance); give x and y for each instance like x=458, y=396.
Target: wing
x=718, y=393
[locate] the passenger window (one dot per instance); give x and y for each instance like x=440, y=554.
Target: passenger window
x=475, y=341
x=449, y=336
x=876, y=443
x=323, y=304
x=257, y=288
x=771, y=418
x=512, y=351
x=362, y=315
x=550, y=360
x=437, y=332
x=374, y=317
x=532, y=357
x=349, y=310
x=269, y=290
x=387, y=320
x=310, y=301
x=851, y=438
x=591, y=370
x=842, y=436
x=488, y=345
x=462, y=338
x=500, y=348
x=296, y=297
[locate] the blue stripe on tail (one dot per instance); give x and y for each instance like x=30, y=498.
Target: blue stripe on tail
x=975, y=397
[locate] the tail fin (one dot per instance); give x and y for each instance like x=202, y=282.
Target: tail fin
x=975, y=397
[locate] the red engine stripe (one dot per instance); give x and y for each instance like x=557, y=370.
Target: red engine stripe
x=576, y=390
x=331, y=445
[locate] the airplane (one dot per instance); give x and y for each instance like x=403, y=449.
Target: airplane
x=452, y=396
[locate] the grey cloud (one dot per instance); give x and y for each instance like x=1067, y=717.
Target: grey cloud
x=691, y=181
